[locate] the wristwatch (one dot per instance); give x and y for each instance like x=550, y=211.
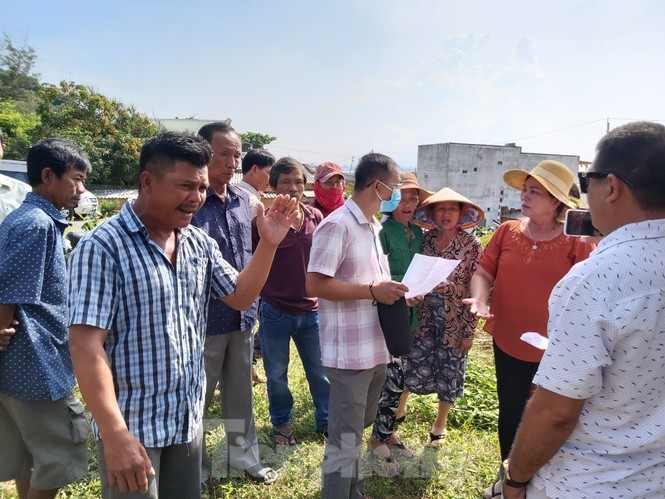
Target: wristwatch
x=507, y=480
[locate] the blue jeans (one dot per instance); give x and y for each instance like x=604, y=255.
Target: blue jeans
x=277, y=328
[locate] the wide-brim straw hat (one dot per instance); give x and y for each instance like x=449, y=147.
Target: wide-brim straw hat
x=471, y=216
x=555, y=177
x=410, y=181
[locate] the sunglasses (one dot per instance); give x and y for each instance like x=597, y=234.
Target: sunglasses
x=585, y=176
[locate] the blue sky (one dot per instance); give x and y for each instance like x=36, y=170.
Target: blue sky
x=336, y=79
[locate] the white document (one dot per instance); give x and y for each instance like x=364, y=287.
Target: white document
x=425, y=273
x=535, y=339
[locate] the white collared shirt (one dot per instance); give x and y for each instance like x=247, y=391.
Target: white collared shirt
x=12, y=194
x=254, y=196
x=607, y=346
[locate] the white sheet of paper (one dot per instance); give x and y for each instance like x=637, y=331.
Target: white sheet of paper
x=425, y=273
x=535, y=339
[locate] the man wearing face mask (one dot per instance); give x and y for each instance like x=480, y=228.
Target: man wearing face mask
x=349, y=272
x=328, y=188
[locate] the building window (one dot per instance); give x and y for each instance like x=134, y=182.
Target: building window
x=475, y=169
x=463, y=171
x=500, y=162
x=425, y=176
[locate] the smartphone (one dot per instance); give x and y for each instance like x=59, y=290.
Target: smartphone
x=578, y=223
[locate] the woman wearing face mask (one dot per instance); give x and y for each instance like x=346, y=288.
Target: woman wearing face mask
x=437, y=360
x=401, y=240
x=328, y=188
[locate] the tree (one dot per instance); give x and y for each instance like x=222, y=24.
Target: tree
x=253, y=140
x=17, y=129
x=109, y=132
x=18, y=82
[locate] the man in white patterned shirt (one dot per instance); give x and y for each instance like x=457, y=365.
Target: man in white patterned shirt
x=594, y=427
x=347, y=270
x=141, y=284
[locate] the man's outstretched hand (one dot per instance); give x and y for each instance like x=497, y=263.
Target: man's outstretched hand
x=274, y=223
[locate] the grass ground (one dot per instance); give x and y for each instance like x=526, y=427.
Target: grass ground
x=462, y=469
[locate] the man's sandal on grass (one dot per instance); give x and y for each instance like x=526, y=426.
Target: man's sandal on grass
x=262, y=474
x=283, y=438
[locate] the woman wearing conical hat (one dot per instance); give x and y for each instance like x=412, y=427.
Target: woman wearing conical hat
x=522, y=262
x=437, y=361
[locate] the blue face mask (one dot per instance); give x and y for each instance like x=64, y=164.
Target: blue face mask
x=391, y=204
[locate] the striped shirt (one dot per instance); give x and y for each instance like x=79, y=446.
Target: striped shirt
x=346, y=246
x=155, y=315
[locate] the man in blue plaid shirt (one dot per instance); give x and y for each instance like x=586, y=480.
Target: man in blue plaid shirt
x=141, y=283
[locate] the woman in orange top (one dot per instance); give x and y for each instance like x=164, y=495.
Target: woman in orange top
x=522, y=262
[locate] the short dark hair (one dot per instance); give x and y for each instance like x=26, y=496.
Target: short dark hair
x=159, y=153
x=259, y=157
x=371, y=167
x=57, y=154
x=637, y=151
x=207, y=131
x=284, y=166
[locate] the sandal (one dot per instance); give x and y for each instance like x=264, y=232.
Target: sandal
x=262, y=474
x=437, y=441
x=494, y=491
x=402, y=449
x=400, y=420
x=288, y=437
x=384, y=466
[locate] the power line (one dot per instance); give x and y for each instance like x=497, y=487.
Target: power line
x=553, y=131
x=574, y=126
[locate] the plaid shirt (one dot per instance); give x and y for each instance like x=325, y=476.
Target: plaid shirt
x=346, y=246
x=155, y=315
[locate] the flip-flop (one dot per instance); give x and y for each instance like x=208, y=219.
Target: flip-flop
x=288, y=436
x=494, y=491
x=400, y=420
x=262, y=474
x=403, y=450
x=385, y=466
x=437, y=441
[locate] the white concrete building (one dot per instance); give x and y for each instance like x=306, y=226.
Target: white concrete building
x=476, y=171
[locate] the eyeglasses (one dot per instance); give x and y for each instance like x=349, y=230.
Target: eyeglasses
x=585, y=176
x=397, y=187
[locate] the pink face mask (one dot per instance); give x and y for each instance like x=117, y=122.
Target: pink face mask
x=330, y=199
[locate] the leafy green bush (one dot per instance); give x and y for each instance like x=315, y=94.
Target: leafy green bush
x=110, y=207
x=484, y=234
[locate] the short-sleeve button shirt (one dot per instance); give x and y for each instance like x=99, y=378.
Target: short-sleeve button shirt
x=12, y=194
x=346, y=246
x=155, y=314
x=230, y=225
x=36, y=365
x=607, y=346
